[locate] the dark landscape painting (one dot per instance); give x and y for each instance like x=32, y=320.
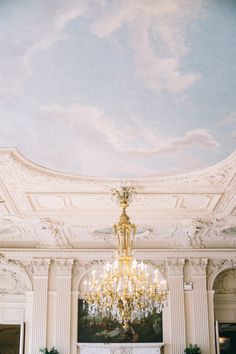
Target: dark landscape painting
x=9, y=339
x=99, y=329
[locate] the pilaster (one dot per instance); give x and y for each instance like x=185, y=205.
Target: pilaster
x=40, y=268
x=211, y=316
x=74, y=321
x=176, y=304
x=63, y=274
x=200, y=304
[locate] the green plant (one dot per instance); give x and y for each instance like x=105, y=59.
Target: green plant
x=47, y=351
x=192, y=349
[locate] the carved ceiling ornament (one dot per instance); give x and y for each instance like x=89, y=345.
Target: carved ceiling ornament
x=144, y=232
x=51, y=232
x=225, y=282
x=13, y=277
x=43, y=232
x=48, y=228
x=184, y=233
x=212, y=231
x=198, y=266
x=218, y=175
x=11, y=227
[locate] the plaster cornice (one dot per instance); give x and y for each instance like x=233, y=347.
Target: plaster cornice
x=218, y=174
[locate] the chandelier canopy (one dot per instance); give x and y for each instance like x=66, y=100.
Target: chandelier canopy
x=125, y=290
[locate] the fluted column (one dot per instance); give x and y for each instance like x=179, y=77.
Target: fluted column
x=74, y=322
x=166, y=328
x=176, y=303
x=200, y=304
x=63, y=273
x=40, y=269
x=211, y=316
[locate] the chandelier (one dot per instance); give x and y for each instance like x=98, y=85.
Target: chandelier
x=125, y=290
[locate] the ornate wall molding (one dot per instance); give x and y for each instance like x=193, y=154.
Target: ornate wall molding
x=13, y=277
x=40, y=266
x=175, y=266
x=64, y=266
x=225, y=282
x=198, y=266
x=216, y=266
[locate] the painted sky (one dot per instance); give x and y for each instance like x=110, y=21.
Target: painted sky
x=119, y=88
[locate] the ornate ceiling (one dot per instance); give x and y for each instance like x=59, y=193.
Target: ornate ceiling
x=148, y=87
x=42, y=208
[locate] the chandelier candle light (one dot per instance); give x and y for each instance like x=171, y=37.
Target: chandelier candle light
x=124, y=290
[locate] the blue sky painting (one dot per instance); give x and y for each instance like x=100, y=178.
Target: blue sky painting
x=119, y=88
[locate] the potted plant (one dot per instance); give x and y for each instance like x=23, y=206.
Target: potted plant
x=192, y=349
x=47, y=351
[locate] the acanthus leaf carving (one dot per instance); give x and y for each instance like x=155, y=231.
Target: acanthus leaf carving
x=64, y=266
x=175, y=266
x=225, y=282
x=217, y=265
x=198, y=266
x=13, y=278
x=40, y=266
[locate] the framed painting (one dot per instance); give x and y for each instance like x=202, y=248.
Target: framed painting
x=11, y=338
x=99, y=329
x=227, y=338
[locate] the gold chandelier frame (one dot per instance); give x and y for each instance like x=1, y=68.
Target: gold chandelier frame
x=124, y=290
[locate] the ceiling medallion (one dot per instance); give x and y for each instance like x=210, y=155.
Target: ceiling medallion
x=125, y=290
x=143, y=233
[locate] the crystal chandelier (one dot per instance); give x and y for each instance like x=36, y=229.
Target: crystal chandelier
x=124, y=290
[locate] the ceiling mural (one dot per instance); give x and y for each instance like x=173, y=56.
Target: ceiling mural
x=119, y=88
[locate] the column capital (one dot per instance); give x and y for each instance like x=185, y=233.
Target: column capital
x=64, y=266
x=40, y=266
x=175, y=266
x=198, y=266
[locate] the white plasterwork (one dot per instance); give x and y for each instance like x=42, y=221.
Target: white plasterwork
x=216, y=266
x=118, y=348
x=40, y=266
x=175, y=266
x=44, y=208
x=13, y=278
x=198, y=266
x=64, y=266
x=225, y=282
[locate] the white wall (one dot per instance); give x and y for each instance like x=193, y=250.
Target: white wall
x=189, y=317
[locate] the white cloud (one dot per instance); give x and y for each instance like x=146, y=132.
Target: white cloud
x=157, y=34
x=199, y=137
x=233, y=136
x=125, y=147
x=29, y=34
x=156, y=31
x=229, y=118
x=52, y=135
